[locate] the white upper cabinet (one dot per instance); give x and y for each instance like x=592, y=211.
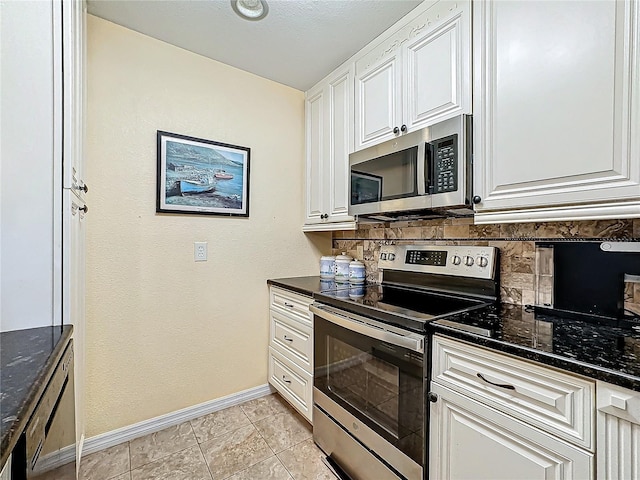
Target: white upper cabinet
x=378, y=102
x=329, y=116
x=418, y=75
x=556, y=110
x=74, y=59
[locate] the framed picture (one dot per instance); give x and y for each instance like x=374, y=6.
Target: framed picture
x=201, y=176
x=365, y=188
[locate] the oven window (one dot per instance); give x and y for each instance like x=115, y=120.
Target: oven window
x=379, y=383
x=385, y=178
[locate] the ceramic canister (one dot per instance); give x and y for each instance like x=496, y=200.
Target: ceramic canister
x=356, y=272
x=327, y=267
x=342, y=268
x=356, y=290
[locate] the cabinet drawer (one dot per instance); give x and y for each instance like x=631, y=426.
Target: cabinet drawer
x=291, y=304
x=554, y=402
x=293, y=383
x=293, y=339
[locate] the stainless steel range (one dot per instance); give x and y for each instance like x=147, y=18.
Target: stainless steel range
x=370, y=347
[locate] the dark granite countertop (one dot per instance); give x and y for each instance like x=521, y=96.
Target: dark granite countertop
x=603, y=349
x=303, y=285
x=27, y=361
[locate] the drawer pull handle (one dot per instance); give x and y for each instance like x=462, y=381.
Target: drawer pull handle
x=284, y=379
x=501, y=385
x=287, y=339
x=288, y=305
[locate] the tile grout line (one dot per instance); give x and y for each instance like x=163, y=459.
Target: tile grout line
x=131, y=469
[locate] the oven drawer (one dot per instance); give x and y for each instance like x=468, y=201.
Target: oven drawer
x=291, y=304
x=293, y=339
x=553, y=401
x=293, y=383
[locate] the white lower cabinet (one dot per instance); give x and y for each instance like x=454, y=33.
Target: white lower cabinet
x=469, y=440
x=291, y=348
x=496, y=417
x=618, y=443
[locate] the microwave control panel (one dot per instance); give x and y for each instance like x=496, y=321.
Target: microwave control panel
x=445, y=164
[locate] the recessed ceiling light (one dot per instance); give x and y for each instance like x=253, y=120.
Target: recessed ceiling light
x=250, y=9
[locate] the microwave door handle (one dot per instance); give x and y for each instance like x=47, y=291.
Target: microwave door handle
x=423, y=162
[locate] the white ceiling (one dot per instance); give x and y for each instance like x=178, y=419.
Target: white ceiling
x=297, y=43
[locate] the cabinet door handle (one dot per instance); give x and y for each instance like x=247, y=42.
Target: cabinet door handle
x=501, y=385
x=85, y=209
x=396, y=130
x=288, y=305
x=284, y=379
x=287, y=339
x=403, y=128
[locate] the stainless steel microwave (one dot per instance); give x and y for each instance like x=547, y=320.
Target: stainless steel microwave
x=418, y=174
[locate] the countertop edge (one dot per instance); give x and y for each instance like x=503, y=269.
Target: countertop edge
x=14, y=431
x=287, y=285
x=591, y=371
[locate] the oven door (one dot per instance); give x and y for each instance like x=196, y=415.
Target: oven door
x=369, y=378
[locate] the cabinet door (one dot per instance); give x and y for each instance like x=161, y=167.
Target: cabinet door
x=74, y=45
x=378, y=102
x=556, y=109
x=340, y=95
x=618, y=432
x=73, y=278
x=437, y=71
x=315, y=130
x=329, y=116
x=469, y=440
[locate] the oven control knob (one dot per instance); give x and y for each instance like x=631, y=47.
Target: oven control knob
x=383, y=256
x=482, y=261
x=456, y=260
x=468, y=261
x=391, y=257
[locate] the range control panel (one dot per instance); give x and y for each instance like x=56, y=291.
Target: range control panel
x=464, y=261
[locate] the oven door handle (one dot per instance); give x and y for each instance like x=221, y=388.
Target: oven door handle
x=370, y=328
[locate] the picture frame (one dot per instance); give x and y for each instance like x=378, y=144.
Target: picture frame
x=203, y=177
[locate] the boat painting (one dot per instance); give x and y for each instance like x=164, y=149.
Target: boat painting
x=222, y=175
x=201, y=176
x=189, y=187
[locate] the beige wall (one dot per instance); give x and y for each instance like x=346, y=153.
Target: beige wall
x=163, y=332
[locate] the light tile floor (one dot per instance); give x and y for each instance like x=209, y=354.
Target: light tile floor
x=263, y=439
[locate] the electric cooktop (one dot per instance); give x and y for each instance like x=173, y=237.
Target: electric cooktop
x=420, y=284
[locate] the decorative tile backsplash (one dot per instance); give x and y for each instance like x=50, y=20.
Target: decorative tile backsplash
x=515, y=241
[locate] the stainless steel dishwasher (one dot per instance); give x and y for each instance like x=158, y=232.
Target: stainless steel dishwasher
x=50, y=433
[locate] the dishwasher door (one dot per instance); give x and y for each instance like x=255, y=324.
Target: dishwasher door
x=50, y=434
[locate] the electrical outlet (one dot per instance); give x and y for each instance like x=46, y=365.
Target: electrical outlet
x=200, y=251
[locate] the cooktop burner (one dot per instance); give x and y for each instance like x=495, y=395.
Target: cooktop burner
x=421, y=284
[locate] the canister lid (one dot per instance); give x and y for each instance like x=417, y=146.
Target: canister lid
x=343, y=258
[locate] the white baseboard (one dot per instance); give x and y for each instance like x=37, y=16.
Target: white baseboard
x=55, y=459
x=124, y=434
